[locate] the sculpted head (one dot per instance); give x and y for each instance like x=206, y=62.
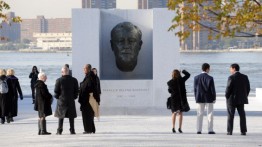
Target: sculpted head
x=126, y=43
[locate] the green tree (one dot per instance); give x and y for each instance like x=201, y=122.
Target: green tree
x=223, y=18
x=3, y=17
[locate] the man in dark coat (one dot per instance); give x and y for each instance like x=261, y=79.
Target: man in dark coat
x=205, y=95
x=66, y=91
x=88, y=86
x=237, y=91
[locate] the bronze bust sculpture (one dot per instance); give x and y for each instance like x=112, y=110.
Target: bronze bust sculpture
x=126, y=43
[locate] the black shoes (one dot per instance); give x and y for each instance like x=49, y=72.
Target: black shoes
x=243, y=133
x=59, y=131
x=45, y=133
x=72, y=131
x=208, y=132
x=8, y=119
x=211, y=132
x=43, y=128
x=180, y=131
x=229, y=133
x=2, y=120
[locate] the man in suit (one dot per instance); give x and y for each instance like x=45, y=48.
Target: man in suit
x=237, y=91
x=66, y=91
x=88, y=88
x=205, y=95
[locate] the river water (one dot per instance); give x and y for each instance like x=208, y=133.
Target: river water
x=250, y=64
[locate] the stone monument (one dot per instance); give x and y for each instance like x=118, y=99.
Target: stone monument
x=137, y=88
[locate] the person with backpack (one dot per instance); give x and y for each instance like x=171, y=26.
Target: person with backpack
x=15, y=89
x=4, y=89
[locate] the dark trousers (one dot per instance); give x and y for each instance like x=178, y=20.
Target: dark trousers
x=33, y=92
x=88, y=118
x=230, y=117
x=61, y=122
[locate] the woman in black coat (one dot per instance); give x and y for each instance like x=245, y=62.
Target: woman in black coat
x=42, y=103
x=33, y=76
x=5, y=102
x=14, y=96
x=179, y=103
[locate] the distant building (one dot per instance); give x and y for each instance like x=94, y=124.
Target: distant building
x=53, y=41
x=43, y=25
x=31, y=26
x=10, y=31
x=111, y=4
x=59, y=25
x=127, y=4
x=142, y=4
x=102, y=4
x=198, y=40
x=156, y=4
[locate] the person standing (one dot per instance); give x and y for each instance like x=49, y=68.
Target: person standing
x=4, y=96
x=87, y=89
x=43, y=103
x=15, y=88
x=237, y=91
x=33, y=76
x=66, y=91
x=205, y=96
x=179, y=103
x=98, y=87
x=70, y=71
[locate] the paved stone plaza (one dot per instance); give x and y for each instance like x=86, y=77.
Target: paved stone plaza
x=135, y=130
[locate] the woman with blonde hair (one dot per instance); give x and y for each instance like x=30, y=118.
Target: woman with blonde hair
x=15, y=89
x=179, y=104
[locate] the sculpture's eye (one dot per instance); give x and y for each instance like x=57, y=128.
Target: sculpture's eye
x=132, y=40
x=122, y=40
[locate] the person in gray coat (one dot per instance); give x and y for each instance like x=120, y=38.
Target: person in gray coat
x=66, y=91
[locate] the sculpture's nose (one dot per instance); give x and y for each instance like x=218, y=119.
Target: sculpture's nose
x=126, y=44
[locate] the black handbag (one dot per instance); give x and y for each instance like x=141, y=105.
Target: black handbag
x=168, y=103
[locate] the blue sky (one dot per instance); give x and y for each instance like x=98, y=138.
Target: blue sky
x=48, y=8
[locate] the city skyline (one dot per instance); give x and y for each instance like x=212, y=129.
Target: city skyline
x=48, y=8
x=58, y=8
